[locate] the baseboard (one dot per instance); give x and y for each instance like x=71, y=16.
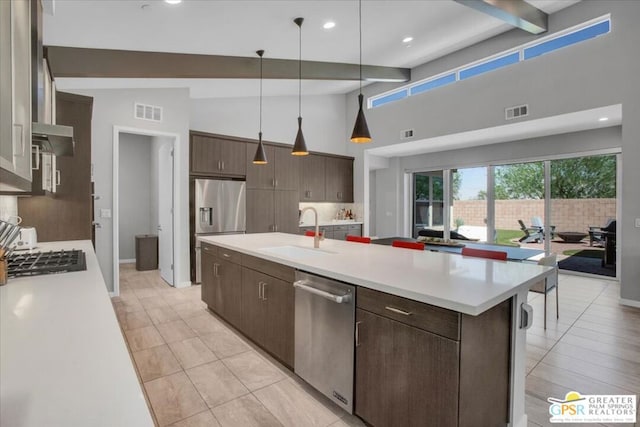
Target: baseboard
x=127, y=261
x=630, y=302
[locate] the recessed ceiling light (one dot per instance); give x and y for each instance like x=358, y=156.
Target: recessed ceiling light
x=329, y=25
x=407, y=39
x=603, y=119
x=173, y=1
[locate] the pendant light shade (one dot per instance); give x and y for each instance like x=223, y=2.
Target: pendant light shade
x=260, y=157
x=360, y=132
x=299, y=146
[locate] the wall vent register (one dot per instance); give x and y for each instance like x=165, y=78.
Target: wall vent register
x=511, y=113
x=148, y=112
x=52, y=262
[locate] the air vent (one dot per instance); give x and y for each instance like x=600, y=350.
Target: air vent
x=148, y=112
x=406, y=134
x=511, y=113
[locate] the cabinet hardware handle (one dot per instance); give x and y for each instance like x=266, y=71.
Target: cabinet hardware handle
x=398, y=311
x=260, y=290
x=275, y=227
x=358, y=334
x=219, y=165
x=275, y=182
x=206, y=249
x=264, y=291
x=223, y=165
x=226, y=255
x=215, y=269
x=57, y=177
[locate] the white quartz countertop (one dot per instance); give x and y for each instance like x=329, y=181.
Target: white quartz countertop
x=332, y=222
x=63, y=359
x=464, y=284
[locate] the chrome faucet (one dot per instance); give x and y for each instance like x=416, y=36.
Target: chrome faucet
x=317, y=237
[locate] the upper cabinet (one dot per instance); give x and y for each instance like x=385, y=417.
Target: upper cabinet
x=312, y=171
x=280, y=173
x=15, y=102
x=339, y=180
x=217, y=156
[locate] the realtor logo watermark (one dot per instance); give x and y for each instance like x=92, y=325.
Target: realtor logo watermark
x=593, y=408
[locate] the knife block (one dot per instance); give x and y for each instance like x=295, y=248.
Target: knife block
x=4, y=271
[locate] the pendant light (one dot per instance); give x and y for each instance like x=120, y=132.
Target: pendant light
x=299, y=146
x=261, y=157
x=360, y=132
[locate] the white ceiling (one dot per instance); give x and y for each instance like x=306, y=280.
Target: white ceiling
x=241, y=27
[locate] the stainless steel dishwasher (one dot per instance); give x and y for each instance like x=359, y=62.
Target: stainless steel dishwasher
x=324, y=336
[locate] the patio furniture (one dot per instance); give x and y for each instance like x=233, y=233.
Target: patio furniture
x=536, y=222
x=427, y=232
x=609, y=233
x=596, y=234
x=571, y=236
x=546, y=285
x=531, y=234
x=484, y=253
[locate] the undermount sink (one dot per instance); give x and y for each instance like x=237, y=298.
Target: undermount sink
x=296, y=251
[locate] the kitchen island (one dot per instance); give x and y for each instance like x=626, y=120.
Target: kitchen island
x=464, y=300
x=63, y=359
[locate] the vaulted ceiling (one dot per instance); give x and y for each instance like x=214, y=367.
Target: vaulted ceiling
x=239, y=28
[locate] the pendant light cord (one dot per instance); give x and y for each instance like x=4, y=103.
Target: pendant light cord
x=260, y=93
x=300, y=70
x=360, y=31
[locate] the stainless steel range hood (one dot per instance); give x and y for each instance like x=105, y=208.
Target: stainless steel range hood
x=56, y=139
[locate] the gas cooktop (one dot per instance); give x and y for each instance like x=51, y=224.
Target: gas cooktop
x=52, y=262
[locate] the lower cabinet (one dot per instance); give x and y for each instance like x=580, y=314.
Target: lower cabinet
x=337, y=232
x=254, y=295
x=420, y=365
x=404, y=376
x=221, y=281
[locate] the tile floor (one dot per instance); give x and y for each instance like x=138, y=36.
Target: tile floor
x=197, y=371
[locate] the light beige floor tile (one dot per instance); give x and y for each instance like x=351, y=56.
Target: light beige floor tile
x=293, y=407
x=175, y=331
x=205, y=324
x=131, y=304
x=190, y=309
x=224, y=343
x=145, y=292
x=192, y=352
x=216, y=383
x=142, y=338
x=203, y=419
x=349, y=421
x=155, y=362
x=245, y=411
x=254, y=371
x=133, y=319
x=153, y=302
x=162, y=315
x=174, y=398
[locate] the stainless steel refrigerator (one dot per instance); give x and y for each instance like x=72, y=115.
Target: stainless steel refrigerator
x=220, y=208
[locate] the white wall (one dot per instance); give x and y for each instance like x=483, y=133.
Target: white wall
x=8, y=207
x=135, y=190
x=114, y=107
x=596, y=73
x=323, y=119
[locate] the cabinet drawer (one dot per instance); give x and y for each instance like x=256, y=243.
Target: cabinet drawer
x=228, y=254
x=424, y=316
x=209, y=249
x=269, y=268
x=340, y=228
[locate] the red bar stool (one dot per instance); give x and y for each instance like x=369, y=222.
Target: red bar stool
x=310, y=233
x=419, y=246
x=358, y=239
x=483, y=253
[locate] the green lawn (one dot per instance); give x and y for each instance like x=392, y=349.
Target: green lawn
x=505, y=237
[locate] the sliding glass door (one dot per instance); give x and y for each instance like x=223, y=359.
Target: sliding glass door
x=428, y=204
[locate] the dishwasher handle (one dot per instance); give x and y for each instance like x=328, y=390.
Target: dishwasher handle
x=304, y=285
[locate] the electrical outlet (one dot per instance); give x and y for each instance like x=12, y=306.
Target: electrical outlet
x=105, y=213
x=638, y=222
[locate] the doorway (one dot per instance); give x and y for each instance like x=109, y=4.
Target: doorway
x=144, y=184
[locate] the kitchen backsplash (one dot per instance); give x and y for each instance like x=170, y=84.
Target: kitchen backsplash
x=8, y=207
x=328, y=211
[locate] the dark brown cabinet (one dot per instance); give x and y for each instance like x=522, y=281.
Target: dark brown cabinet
x=221, y=282
x=280, y=173
x=421, y=365
x=68, y=215
x=217, y=156
x=272, y=210
x=339, y=180
x=404, y=376
x=268, y=308
x=311, y=175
